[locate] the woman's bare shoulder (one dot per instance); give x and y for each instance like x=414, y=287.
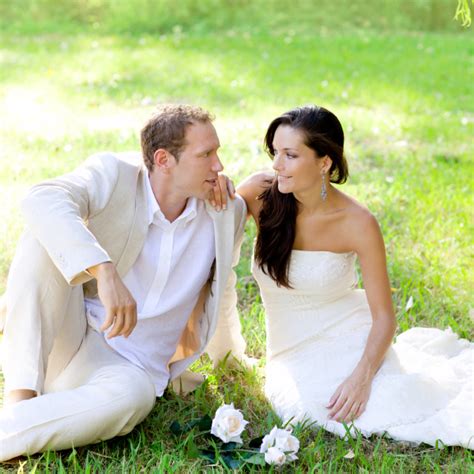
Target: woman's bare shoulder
x=362, y=225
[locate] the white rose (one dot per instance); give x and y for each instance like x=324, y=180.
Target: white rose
x=287, y=443
x=275, y=456
x=268, y=440
x=283, y=440
x=228, y=424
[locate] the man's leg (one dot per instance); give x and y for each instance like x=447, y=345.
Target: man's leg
x=99, y=395
x=37, y=337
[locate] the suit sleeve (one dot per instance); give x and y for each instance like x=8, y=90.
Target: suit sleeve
x=56, y=212
x=228, y=334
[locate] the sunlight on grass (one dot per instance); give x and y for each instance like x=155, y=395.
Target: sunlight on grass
x=83, y=78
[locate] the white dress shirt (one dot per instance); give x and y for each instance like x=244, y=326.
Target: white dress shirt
x=165, y=281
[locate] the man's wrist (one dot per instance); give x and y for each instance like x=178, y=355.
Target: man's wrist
x=96, y=270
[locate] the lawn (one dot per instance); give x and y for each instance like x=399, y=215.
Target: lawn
x=83, y=78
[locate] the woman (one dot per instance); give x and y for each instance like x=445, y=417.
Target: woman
x=329, y=352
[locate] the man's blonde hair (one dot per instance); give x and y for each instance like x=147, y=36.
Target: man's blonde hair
x=167, y=129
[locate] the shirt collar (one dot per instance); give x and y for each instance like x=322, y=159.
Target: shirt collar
x=156, y=215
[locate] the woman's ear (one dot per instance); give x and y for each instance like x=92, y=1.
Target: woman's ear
x=326, y=164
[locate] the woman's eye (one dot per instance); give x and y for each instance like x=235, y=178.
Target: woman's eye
x=291, y=156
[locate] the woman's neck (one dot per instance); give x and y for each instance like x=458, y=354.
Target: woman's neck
x=311, y=203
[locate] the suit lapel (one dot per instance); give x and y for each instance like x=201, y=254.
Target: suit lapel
x=224, y=241
x=138, y=228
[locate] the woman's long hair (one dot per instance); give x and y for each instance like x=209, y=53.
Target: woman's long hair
x=323, y=133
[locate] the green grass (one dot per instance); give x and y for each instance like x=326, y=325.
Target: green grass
x=81, y=79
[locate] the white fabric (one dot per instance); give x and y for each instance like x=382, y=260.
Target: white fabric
x=165, y=286
x=99, y=395
x=316, y=334
x=97, y=213
x=94, y=214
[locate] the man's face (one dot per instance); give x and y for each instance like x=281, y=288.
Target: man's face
x=198, y=164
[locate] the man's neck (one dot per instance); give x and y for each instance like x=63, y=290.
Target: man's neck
x=172, y=203
x=170, y=208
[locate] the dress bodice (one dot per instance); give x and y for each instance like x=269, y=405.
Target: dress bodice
x=320, y=275
x=323, y=288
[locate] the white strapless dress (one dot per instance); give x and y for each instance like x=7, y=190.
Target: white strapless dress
x=316, y=334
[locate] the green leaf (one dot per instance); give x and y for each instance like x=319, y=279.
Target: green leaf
x=207, y=454
x=205, y=423
x=231, y=461
x=228, y=446
x=257, y=458
x=256, y=442
x=175, y=428
x=192, y=450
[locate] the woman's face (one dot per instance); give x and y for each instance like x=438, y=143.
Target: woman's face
x=297, y=167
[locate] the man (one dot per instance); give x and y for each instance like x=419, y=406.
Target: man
x=120, y=282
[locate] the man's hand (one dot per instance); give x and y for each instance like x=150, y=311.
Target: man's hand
x=218, y=196
x=120, y=307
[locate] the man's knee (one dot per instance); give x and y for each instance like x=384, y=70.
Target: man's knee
x=142, y=393
x=31, y=266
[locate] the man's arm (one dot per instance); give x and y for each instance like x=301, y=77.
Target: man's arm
x=120, y=307
x=56, y=211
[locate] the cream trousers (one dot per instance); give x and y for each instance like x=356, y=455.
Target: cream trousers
x=98, y=395
x=88, y=392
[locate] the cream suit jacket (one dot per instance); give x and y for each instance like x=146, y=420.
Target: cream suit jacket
x=99, y=213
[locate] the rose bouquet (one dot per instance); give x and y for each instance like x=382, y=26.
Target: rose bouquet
x=224, y=440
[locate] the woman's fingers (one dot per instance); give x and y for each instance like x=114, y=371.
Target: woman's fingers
x=343, y=413
x=361, y=409
x=341, y=400
x=223, y=189
x=334, y=397
x=218, y=195
x=230, y=188
x=218, y=191
x=350, y=411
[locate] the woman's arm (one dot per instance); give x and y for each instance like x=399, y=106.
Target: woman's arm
x=350, y=399
x=250, y=188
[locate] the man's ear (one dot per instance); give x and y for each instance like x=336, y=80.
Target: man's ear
x=164, y=160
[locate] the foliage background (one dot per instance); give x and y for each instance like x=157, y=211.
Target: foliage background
x=81, y=76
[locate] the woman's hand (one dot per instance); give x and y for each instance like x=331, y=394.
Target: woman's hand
x=218, y=196
x=350, y=399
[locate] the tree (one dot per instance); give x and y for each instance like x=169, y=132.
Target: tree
x=463, y=13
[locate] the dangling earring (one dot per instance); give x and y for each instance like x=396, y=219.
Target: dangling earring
x=324, y=193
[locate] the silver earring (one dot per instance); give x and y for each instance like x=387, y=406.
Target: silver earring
x=324, y=192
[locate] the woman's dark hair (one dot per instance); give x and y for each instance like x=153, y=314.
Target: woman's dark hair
x=323, y=133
